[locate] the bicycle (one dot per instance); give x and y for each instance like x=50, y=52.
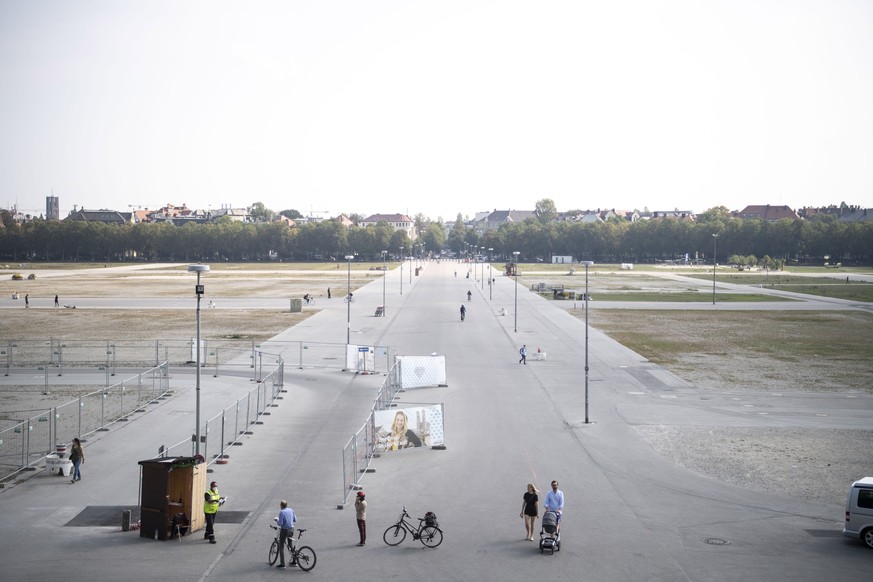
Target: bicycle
x=349, y=299
x=310, y=301
x=428, y=531
x=302, y=556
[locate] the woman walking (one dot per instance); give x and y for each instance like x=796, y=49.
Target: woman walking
x=530, y=510
x=77, y=456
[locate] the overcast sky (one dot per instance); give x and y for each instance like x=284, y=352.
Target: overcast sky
x=436, y=107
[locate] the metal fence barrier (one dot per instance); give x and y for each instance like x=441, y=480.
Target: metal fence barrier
x=26, y=442
x=224, y=430
x=361, y=447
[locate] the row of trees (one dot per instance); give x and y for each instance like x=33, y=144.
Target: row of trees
x=644, y=241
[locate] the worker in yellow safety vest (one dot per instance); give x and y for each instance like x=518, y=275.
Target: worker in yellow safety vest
x=212, y=500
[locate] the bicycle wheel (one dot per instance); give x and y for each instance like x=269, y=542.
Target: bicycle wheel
x=306, y=558
x=431, y=536
x=274, y=553
x=394, y=535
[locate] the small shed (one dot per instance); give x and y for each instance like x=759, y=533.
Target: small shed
x=171, y=486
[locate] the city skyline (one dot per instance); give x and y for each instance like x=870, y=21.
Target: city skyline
x=436, y=108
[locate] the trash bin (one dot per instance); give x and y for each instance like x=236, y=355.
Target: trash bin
x=296, y=304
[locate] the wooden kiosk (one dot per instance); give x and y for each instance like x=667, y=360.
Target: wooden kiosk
x=171, y=486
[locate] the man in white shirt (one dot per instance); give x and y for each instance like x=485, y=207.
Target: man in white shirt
x=555, y=502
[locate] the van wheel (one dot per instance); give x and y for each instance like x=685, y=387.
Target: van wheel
x=867, y=537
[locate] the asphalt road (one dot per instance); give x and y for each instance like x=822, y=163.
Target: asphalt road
x=630, y=514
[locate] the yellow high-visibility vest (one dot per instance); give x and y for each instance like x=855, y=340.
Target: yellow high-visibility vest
x=211, y=506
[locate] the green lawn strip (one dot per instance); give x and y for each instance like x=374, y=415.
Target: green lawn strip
x=683, y=297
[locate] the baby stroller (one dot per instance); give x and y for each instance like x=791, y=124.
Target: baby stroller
x=550, y=539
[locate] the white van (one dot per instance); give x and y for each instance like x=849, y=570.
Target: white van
x=859, y=511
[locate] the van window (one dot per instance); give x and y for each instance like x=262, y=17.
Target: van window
x=865, y=498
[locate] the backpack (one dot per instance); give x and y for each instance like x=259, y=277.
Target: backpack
x=430, y=519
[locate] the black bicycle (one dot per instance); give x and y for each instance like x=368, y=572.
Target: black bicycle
x=428, y=531
x=303, y=556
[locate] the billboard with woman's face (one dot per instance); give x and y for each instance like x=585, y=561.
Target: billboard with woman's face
x=410, y=427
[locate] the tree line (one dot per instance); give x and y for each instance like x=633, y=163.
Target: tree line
x=609, y=242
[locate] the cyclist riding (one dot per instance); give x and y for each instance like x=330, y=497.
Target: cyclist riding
x=469, y=295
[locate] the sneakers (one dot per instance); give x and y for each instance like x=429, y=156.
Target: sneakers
x=361, y=544
x=280, y=565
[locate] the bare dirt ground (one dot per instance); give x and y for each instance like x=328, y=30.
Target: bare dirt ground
x=759, y=351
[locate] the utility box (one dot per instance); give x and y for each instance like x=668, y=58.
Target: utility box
x=296, y=305
x=171, y=485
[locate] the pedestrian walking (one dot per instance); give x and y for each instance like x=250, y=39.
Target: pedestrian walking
x=361, y=516
x=57, y=303
x=212, y=501
x=555, y=502
x=463, y=312
x=522, y=351
x=328, y=292
x=286, y=520
x=77, y=457
x=530, y=510
x=26, y=300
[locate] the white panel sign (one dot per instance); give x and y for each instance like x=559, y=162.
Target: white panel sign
x=422, y=371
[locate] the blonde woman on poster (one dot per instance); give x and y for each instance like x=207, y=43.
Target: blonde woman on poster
x=401, y=436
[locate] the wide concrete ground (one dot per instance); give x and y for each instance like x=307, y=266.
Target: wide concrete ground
x=630, y=515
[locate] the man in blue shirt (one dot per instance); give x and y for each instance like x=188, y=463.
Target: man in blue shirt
x=286, y=520
x=555, y=502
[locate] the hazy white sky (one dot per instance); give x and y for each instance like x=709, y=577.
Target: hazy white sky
x=436, y=107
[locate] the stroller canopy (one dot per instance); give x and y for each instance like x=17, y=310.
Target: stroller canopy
x=550, y=521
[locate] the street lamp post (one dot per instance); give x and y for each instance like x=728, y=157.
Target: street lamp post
x=401, y=269
x=349, y=300
x=515, y=264
x=587, y=264
x=198, y=291
x=483, y=269
x=490, y=282
x=384, y=276
x=714, y=239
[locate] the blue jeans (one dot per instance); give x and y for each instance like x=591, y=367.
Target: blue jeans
x=76, y=474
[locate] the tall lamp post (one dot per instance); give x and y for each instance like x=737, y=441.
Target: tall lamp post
x=587, y=264
x=198, y=291
x=490, y=282
x=714, y=239
x=384, y=276
x=401, y=269
x=349, y=300
x=411, y=259
x=483, y=268
x=515, y=265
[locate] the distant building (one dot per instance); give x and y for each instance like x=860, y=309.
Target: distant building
x=398, y=221
x=105, y=216
x=766, y=212
x=52, y=208
x=858, y=214
x=676, y=214
x=493, y=220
